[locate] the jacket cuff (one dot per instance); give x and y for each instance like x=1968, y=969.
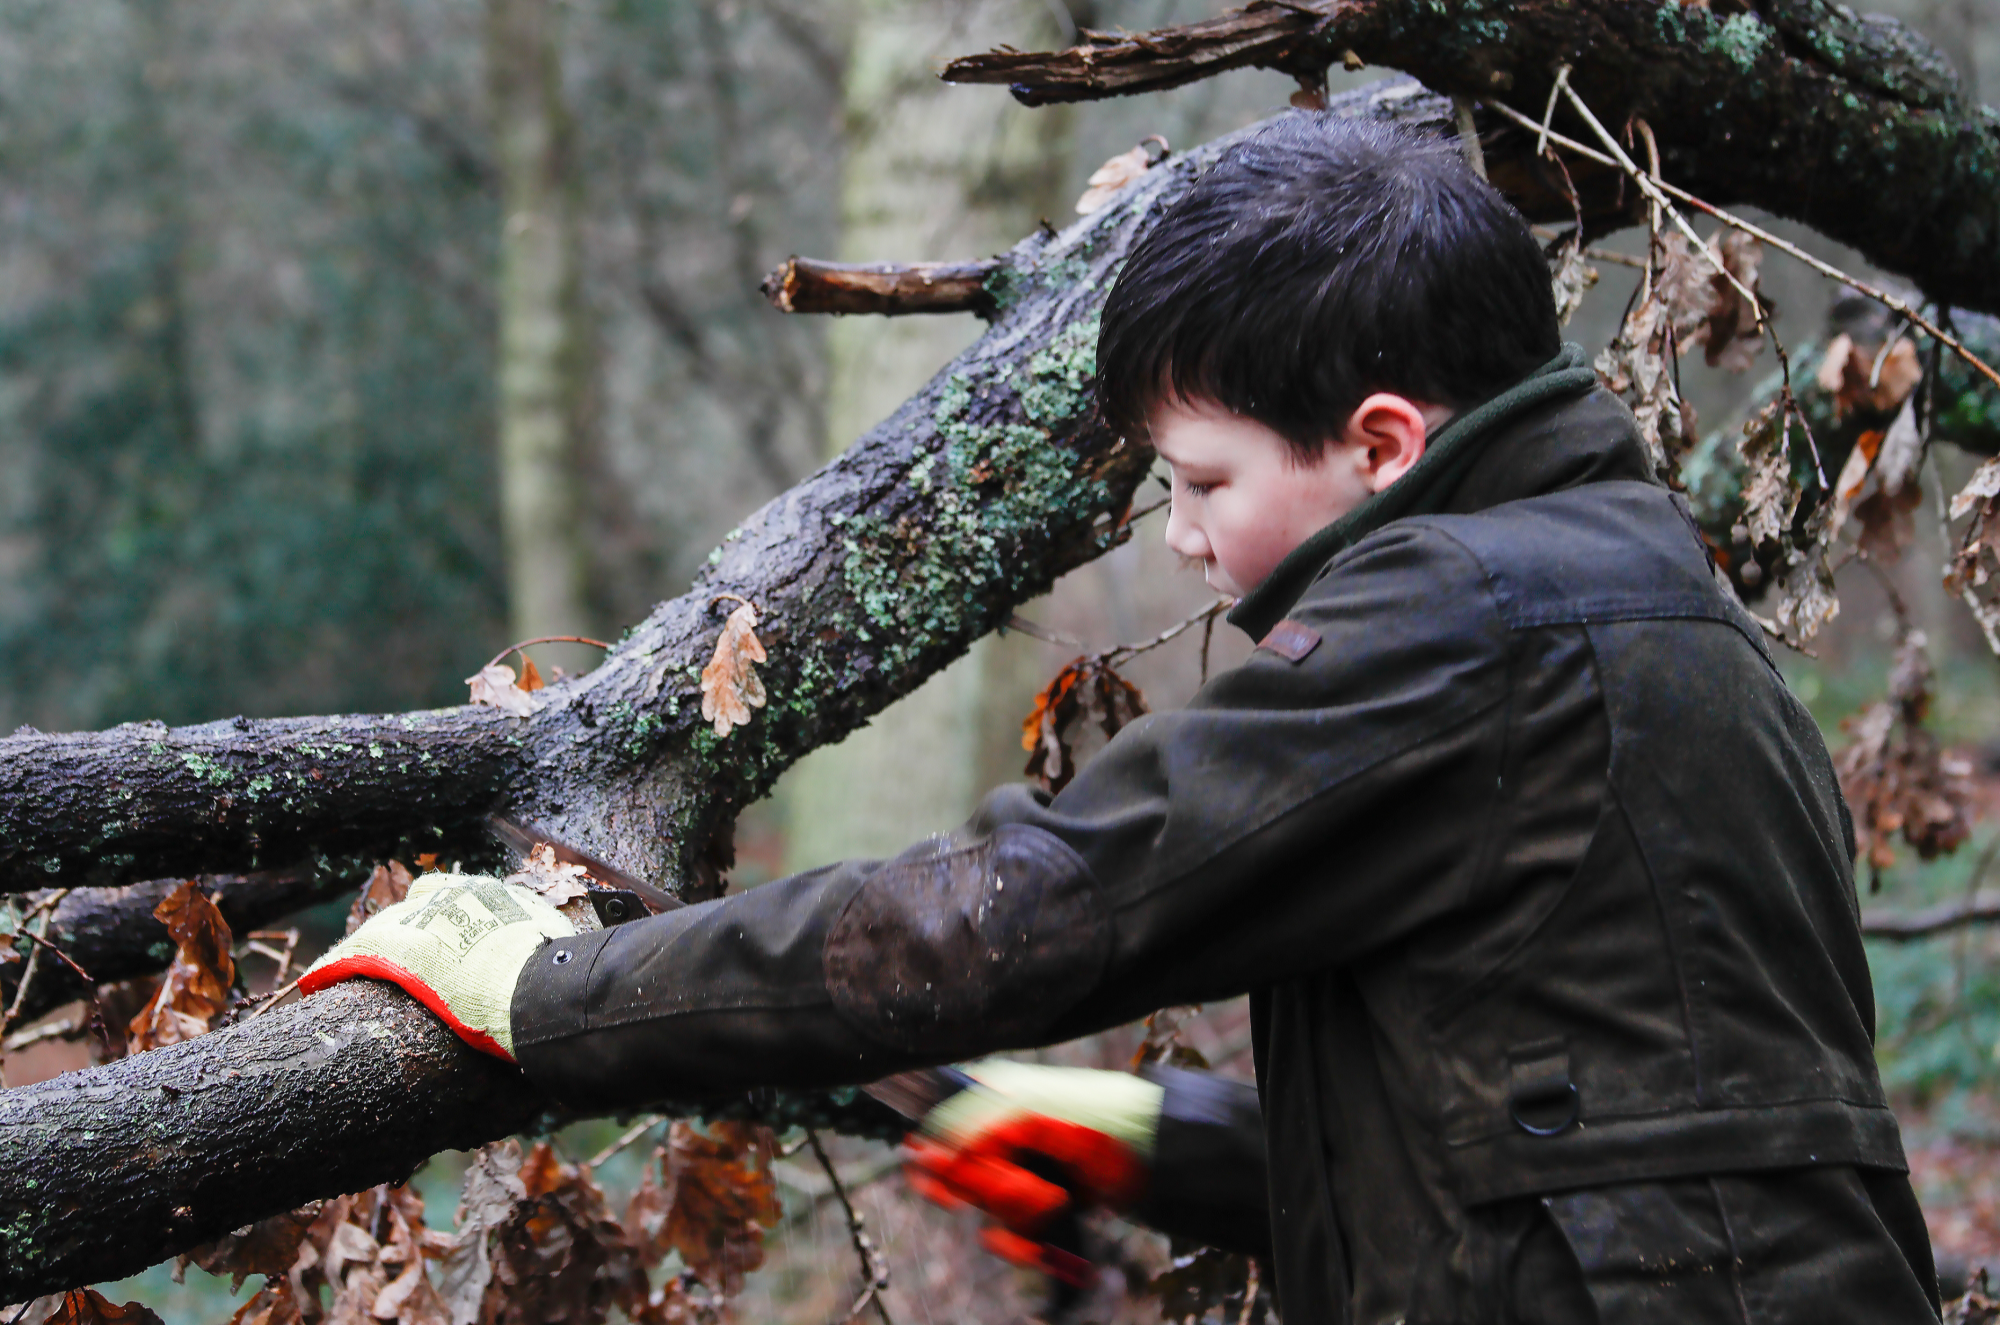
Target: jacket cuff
x=1209, y=1176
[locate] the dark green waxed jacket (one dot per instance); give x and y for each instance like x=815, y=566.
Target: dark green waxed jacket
x=1537, y=875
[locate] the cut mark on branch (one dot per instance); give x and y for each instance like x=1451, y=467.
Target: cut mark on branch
x=808, y=285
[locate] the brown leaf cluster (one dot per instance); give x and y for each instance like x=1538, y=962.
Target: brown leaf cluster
x=364, y=1254
x=1895, y=777
x=730, y=686
x=717, y=1195
x=1802, y=587
x=195, y=988
x=388, y=885
x=1637, y=366
x=1879, y=487
x=1689, y=303
x=79, y=1306
x=1570, y=278
x=1706, y=308
x=1971, y=572
x=1848, y=373
x=1087, y=690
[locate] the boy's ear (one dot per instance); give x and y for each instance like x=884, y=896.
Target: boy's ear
x=1386, y=435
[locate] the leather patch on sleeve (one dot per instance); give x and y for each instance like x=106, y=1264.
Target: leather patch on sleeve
x=1291, y=640
x=958, y=952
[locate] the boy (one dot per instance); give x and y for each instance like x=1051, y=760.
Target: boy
x=1538, y=878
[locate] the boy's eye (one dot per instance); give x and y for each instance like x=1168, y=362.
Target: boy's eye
x=1198, y=489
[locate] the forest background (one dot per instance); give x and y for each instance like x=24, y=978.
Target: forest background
x=343, y=342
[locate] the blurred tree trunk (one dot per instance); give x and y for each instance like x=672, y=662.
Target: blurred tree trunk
x=928, y=175
x=543, y=337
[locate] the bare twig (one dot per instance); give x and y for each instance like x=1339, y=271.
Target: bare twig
x=271, y=1000
x=290, y=938
x=874, y=1267
x=548, y=639
x=1903, y=925
x=1819, y=265
x=1593, y=253
x=1549, y=111
x=44, y=911
x=67, y=1028
x=637, y=1130
x=1654, y=187
x=59, y=955
x=1123, y=651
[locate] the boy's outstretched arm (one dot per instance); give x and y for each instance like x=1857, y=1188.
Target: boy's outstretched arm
x=1285, y=822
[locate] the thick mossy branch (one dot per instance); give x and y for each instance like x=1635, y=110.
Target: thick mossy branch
x=1854, y=126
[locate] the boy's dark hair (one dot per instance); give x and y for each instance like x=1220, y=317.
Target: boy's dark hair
x=1320, y=260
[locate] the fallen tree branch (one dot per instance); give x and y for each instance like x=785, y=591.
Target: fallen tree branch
x=1795, y=106
x=112, y=933
x=807, y=285
x=1905, y=925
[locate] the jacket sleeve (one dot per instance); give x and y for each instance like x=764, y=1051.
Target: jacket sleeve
x=1209, y=1180
x=1305, y=809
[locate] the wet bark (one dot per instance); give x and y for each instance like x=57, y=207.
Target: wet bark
x=1855, y=126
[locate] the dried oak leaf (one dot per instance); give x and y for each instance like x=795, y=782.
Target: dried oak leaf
x=267, y=1247
x=721, y=1195
x=1106, y=181
x=195, y=989
x=730, y=686
x=1637, y=367
x=1770, y=492
x=1895, y=777
x=1057, y=724
x=273, y=1304
x=1707, y=308
x=1879, y=486
x=87, y=1306
x=560, y=1257
x=494, y=685
x=1848, y=373
x=388, y=885
x=1570, y=279
x=556, y=882
x=493, y=1189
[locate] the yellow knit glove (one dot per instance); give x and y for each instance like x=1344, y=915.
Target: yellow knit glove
x=457, y=945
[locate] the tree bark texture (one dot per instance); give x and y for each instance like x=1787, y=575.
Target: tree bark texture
x=112, y=933
x=1855, y=126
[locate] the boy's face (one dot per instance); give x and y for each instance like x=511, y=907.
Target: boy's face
x=1243, y=499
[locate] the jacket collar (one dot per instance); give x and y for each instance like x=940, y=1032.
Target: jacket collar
x=1553, y=429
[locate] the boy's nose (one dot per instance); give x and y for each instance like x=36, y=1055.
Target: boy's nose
x=1183, y=537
